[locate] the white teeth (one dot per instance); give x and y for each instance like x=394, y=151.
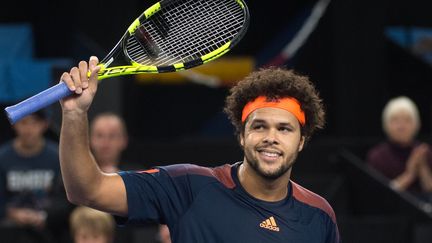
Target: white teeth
x=270, y=154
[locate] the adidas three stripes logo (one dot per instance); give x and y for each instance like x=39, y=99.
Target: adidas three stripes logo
x=269, y=224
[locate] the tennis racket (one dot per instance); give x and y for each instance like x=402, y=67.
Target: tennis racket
x=170, y=36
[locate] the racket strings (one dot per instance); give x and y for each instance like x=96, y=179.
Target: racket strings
x=184, y=40
x=210, y=41
x=187, y=30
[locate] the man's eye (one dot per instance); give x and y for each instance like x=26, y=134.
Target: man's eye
x=285, y=129
x=258, y=127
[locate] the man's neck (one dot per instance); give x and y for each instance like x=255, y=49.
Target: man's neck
x=262, y=188
x=28, y=150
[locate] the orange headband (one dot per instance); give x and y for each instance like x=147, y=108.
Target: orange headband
x=289, y=104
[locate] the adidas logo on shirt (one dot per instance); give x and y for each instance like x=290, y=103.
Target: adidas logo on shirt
x=270, y=224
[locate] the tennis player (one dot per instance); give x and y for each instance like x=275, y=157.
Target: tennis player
x=275, y=112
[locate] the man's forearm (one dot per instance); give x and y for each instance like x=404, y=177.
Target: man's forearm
x=81, y=175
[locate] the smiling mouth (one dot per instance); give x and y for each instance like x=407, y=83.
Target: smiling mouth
x=269, y=154
x=269, y=150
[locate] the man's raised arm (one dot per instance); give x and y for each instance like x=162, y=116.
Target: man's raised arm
x=84, y=182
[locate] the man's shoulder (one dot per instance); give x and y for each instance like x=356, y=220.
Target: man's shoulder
x=220, y=173
x=312, y=199
x=7, y=156
x=191, y=169
x=51, y=146
x=50, y=155
x=6, y=150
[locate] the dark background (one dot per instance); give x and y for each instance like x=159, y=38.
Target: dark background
x=355, y=67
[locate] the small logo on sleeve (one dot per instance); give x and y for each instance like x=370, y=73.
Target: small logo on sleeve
x=270, y=224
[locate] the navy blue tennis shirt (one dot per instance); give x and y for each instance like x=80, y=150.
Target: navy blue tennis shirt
x=209, y=205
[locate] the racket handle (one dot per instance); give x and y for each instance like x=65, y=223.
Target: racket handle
x=37, y=102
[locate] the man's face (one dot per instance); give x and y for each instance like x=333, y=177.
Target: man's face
x=271, y=141
x=30, y=130
x=401, y=127
x=108, y=139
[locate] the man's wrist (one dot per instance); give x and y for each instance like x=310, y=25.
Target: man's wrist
x=74, y=113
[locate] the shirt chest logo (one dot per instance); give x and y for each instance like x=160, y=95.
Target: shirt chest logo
x=270, y=224
x=22, y=180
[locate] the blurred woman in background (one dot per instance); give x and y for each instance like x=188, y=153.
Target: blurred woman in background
x=401, y=158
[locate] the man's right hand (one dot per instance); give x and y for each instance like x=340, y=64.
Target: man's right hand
x=84, y=86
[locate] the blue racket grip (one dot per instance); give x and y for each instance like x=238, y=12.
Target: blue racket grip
x=37, y=102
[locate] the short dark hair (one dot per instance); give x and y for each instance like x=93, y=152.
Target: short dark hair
x=112, y=115
x=276, y=83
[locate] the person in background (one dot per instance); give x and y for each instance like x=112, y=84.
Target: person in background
x=404, y=160
x=91, y=226
x=163, y=235
x=108, y=139
x=31, y=192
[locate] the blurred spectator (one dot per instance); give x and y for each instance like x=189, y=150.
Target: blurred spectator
x=108, y=139
x=163, y=234
x=91, y=226
x=404, y=160
x=31, y=193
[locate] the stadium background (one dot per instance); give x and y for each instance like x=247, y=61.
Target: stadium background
x=350, y=56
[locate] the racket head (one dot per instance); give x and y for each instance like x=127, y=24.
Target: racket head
x=174, y=35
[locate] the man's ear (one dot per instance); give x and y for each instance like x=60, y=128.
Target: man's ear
x=301, y=144
x=241, y=139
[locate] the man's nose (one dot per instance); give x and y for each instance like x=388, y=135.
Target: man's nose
x=271, y=136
